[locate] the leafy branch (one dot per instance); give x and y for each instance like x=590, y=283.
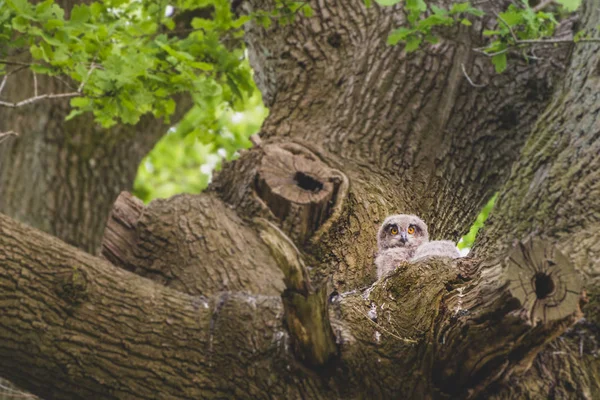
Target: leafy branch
x=519, y=27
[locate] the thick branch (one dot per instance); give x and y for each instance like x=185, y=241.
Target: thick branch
x=495, y=325
x=106, y=333
x=195, y=244
x=306, y=308
x=75, y=327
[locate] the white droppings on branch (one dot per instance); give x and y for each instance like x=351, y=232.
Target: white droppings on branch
x=373, y=312
x=459, y=302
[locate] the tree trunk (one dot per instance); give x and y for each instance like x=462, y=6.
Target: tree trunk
x=63, y=176
x=357, y=130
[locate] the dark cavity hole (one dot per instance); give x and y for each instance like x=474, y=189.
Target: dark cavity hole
x=334, y=40
x=544, y=285
x=307, y=182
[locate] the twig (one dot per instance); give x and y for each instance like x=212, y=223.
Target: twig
x=83, y=82
x=35, y=85
x=405, y=340
x=16, y=393
x=10, y=73
x=542, y=5
x=6, y=135
x=512, y=33
x=37, y=97
x=3, y=82
x=469, y=79
x=6, y=62
x=521, y=43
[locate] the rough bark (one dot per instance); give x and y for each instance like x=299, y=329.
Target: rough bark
x=410, y=131
x=78, y=327
x=189, y=244
x=63, y=176
x=357, y=130
x=554, y=192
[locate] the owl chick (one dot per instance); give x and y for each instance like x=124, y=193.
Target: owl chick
x=436, y=248
x=398, y=239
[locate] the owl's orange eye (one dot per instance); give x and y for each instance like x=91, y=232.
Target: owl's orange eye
x=411, y=230
x=394, y=230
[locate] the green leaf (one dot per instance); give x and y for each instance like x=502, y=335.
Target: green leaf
x=201, y=65
x=412, y=43
x=488, y=32
x=512, y=18
x=36, y=52
x=80, y=102
x=387, y=2
x=438, y=11
x=398, y=35
x=499, y=61
x=80, y=14
x=431, y=39
x=460, y=7
x=570, y=5
x=466, y=22
x=307, y=11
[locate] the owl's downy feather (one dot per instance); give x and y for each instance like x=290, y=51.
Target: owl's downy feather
x=436, y=248
x=387, y=260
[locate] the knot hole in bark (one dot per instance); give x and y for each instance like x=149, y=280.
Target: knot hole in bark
x=307, y=182
x=543, y=280
x=544, y=285
x=299, y=189
x=72, y=286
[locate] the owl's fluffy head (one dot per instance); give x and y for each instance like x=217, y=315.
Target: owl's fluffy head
x=402, y=230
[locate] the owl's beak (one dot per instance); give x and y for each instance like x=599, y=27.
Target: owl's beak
x=403, y=237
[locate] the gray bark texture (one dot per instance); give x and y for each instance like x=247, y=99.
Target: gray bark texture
x=264, y=285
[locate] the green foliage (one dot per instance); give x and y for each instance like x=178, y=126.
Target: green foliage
x=422, y=23
x=183, y=160
x=467, y=241
x=128, y=57
x=517, y=28
x=570, y=5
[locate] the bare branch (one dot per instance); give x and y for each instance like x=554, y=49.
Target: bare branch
x=5, y=79
x=512, y=33
x=35, y=85
x=6, y=135
x=469, y=79
x=523, y=43
x=87, y=77
x=38, y=98
x=3, y=82
x=49, y=96
x=543, y=5
x=22, y=64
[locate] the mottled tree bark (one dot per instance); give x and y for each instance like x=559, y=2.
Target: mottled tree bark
x=357, y=130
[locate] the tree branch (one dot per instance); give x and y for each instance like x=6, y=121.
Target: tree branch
x=48, y=96
x=306, y=308
x=6, y=135
x=106, y=333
